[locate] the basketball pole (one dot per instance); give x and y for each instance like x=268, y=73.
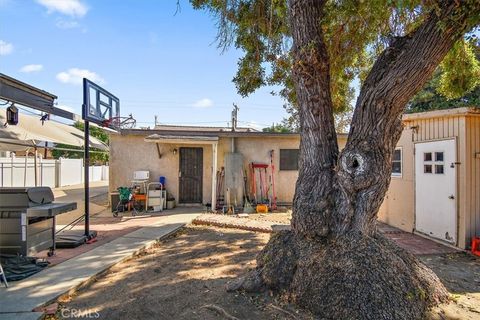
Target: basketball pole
x=86, y=164
x=95, y=111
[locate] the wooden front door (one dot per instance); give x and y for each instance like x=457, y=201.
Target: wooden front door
x=190, y=175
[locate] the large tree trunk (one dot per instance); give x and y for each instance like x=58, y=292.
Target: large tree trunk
x=337, y=194
x=314, y=200
x=333, y=262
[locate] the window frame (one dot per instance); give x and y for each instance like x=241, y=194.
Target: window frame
x=396, y=174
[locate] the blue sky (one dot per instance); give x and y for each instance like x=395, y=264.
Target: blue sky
x=156, y=62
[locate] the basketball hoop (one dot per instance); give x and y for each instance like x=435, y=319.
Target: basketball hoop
x=120, y=122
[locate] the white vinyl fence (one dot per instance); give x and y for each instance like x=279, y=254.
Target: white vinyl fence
x=20, y=172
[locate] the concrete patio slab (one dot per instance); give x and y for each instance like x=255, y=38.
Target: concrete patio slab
x=75, y=193
x=23, y=296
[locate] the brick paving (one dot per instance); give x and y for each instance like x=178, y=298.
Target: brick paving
x=108, y=229
x=228, y=221
x=409, y=241
x=419, y=245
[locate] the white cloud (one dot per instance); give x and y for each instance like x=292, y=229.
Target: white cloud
x=5, y=48
x=73, y=8
x=31, y=68
x=75, y=76
x=203, y=103
x=67, y=24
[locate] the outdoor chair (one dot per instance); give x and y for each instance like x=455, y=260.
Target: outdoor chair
x=127, y=199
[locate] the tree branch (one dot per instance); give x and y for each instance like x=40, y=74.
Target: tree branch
x=404, y=67
x=398, y=74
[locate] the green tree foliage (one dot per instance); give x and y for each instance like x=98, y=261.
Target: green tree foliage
x=456, y=82
x=96, y=156
x=460, y=71
x=291, y=123
x=356, y=32
x=279, y=128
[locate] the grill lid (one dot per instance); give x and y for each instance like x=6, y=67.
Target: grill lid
x=25, y=197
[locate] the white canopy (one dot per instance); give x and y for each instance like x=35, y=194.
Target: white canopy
x=29, y=132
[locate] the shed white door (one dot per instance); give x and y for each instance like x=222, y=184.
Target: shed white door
x=435, y=189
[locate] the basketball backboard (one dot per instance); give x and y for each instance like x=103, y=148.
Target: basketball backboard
x=99, y=105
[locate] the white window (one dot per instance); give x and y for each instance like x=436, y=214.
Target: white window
x=397, y=166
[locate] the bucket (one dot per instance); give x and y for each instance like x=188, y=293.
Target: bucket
x=162, y=180
x=476, y=246
x=170, y=204
x=262, y=208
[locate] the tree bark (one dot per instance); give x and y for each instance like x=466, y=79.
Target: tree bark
x=341, y=193
x=399, y=73
x=314, y=201
x=333, y=262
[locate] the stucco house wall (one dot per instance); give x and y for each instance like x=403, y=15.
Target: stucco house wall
x=130, y=152
x=398, y=206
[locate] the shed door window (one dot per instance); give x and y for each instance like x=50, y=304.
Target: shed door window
x=289, y=159
x=433, y=162
x=397, y=163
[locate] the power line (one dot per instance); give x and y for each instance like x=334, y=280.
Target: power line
x=139, y=104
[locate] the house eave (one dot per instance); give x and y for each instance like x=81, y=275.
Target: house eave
x=177, y=139
x=220, y=134
x=457, y=112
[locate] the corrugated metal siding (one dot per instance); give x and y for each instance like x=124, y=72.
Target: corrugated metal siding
x=433, y=129
x=464, y=126
x=444, y=128
x=472, y=178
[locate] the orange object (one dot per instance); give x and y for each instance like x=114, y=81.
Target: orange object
x=476, y=246
x=140, y=197
x=262, y=208
x=136, y=198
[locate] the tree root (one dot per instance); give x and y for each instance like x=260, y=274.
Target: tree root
x=220, y=311
x=282, y=310
x=251, y=282
x=355, y=277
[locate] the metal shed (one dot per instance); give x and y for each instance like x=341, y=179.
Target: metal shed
x=436, y=192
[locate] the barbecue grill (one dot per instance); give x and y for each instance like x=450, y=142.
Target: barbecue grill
x=27, y=220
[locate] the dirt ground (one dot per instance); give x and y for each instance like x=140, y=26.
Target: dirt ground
x=460, y=274
x=184, y=277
